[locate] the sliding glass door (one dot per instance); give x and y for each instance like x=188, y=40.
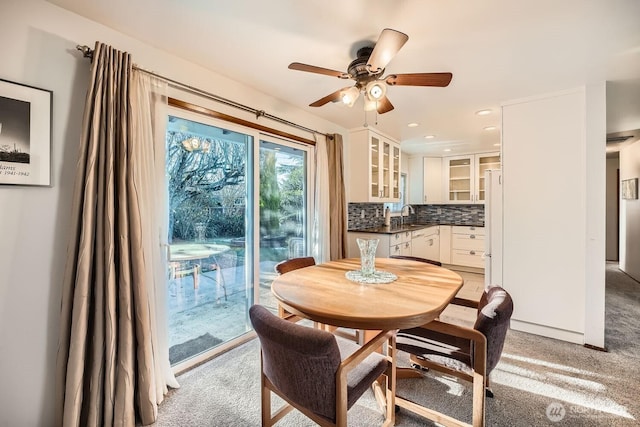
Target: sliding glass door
x=236, y=207
x=210, y=200
x=285, y=207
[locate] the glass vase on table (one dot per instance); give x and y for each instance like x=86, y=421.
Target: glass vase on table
x=367, y=255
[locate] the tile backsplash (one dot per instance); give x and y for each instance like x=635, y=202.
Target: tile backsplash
x=365, y=215
x=451, y=214
x=371, y=215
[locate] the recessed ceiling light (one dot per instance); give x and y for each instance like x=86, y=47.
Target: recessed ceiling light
x=447, y=149
x=490, y=128
x=412, y=125
x=483, y=112
x=429, y=136
x=497, y=144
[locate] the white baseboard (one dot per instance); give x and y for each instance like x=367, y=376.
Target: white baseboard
x=548, y=331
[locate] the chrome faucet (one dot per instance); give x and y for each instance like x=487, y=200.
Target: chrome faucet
x=411, y=211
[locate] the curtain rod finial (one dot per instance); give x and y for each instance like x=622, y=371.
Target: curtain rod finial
x=87, y=52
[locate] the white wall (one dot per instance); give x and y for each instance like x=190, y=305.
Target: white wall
x=630, y=214
x=38, y=49
x=553, y=156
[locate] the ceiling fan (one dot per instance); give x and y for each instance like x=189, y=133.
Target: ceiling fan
x=367, y=71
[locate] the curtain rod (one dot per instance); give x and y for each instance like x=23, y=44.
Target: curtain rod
x=87, y=52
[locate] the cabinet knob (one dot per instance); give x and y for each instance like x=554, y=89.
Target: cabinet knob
x=472, y=252
x=472, y=236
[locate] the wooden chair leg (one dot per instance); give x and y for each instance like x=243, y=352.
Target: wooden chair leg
x=487, y=388
x=392, y=354
x=478, y=400
x=266, y=402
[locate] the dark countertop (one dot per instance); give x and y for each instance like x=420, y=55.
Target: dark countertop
x=408, y=227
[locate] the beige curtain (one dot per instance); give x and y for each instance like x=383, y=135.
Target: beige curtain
x=107, y=353
x=337, y=203
x=321, y=246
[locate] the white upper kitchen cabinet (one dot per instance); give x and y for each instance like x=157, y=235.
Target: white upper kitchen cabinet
x=375, y=167
x=425, y=180
x=464, y=176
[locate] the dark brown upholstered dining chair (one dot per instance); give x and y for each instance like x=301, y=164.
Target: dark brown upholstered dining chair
x=457, y=300
x=314, y=371
x=289, y=265
x=294, y=264
x=415, y=258
x=467, y=353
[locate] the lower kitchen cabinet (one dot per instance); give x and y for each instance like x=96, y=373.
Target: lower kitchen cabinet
x=445, y=244
x=449, y=244
x=389, y=244
x=467, y=246
x=425, y=243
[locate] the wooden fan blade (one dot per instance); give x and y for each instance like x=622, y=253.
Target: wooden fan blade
x=384, y=105
x=420, y=79
x=388, y=44
x=334, y=97
x=318, y=70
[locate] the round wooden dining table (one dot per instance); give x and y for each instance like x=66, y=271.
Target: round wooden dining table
x=324, y=294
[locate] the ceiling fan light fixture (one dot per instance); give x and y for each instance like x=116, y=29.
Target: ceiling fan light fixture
x=375, y=90
x=350, y=96
x=369, y=104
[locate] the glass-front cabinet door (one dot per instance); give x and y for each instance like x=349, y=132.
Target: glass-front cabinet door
x=395, y=172
x=375, y=156
x=459, y=171
x=484, y=162
x=375, y=165
x=386, y=169
x=465, y=176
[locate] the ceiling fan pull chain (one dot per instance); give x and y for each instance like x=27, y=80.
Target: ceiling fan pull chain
x=376, y=113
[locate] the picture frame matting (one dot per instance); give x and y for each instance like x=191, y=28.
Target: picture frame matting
x=25, y=134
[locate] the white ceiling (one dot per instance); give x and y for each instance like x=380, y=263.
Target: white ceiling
x=497, y=50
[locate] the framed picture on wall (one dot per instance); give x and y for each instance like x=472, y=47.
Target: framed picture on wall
x=25, y=134
x=629, y=188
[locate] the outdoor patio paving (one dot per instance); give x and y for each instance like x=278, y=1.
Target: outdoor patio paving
x=203, y=316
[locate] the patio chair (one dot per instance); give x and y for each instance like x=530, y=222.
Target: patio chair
x=314, y=371
x=466, y=353
x=223, y=262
